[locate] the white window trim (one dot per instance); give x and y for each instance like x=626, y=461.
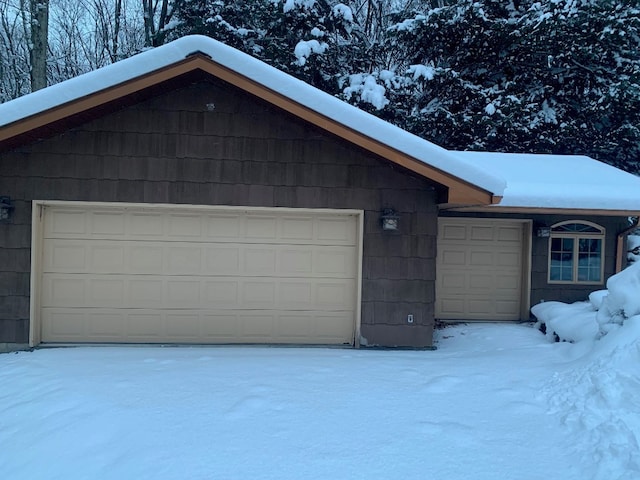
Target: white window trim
x=576, y=236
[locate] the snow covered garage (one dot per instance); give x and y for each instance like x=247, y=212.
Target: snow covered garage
x=192, y=194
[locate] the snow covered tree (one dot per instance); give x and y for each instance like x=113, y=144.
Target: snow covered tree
x=559, y=76
x=310, y=39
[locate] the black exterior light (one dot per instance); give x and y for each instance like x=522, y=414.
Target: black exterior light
x=5, y=209
x=389, y=219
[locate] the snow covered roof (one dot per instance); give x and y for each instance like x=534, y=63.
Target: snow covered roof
x=559, y=181
x=526, y=181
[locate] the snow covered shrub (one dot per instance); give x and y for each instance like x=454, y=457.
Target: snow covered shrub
x=633, y=248
x=565, y=322
x=624, y=291
x=605, y=311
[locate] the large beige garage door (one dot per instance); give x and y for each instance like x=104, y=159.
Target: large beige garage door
x=479, y=269
x=171, y=275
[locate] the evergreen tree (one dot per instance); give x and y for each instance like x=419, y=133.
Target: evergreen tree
x=557, y=76
x=306, y=38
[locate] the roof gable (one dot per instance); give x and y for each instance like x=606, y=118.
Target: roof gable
x=466, y=183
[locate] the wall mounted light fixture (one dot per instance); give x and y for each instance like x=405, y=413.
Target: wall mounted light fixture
x=5, y=208
x=389, y=219
x=543, y=232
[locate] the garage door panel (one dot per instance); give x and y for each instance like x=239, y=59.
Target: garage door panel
x=106, y=327
x=481, y=233
x=261, y=228
x=184, y=227
x=478, y=307
x=147, y=259
x=223, y=227
x=105, y=292
x=222, y=259
x=301, y=228
x=509, y=259
x=453, y=232
x=182, y=326
x=453, y=307
x=132, y=291
x=223, y=328
x=479, y=269
x=509, y=234
x=480, y=281
x=297, y=326
x=335, y=261
x=296, y=261
x=296, y=295
x=196, y=327
x=334, y=295
x=142, y=326
x=481, y=259
x=70, y=326
x=451, y=256
x=69, y=256
x=507, y=307
x=453, y=280
x=126, y=274
x=146, y=225
x=184, y=260
x=107, y=259
x=259, y=295
x=145, y=292
x=65, y=223
x=508, y=282
x=331, y=327
x=256, y=327
x=107, y=224
x=259, y=260
x=336, y=230
x=58, y=290
x=183, y=292
x=221, y=293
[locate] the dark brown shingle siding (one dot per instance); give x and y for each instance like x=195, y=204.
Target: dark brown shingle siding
x=174, y=149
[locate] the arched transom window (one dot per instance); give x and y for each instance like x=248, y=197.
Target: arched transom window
x=576, y=252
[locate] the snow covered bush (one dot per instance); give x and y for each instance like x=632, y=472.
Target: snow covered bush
x=633, y=248
x=605, y=311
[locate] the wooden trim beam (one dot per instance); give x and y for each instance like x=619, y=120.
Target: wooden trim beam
x=536, y=210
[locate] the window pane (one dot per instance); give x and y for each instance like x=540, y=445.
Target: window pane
x=589, y=259
x=561, y=264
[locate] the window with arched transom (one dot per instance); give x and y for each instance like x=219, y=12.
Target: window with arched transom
x=576, y=252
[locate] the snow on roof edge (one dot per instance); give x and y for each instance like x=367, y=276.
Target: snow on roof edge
x=547, y=181
x=269, y=77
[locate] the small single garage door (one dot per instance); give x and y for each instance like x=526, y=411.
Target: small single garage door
x=479, y=269
x=187, y=275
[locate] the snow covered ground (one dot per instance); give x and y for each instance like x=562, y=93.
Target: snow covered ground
x=493, y=402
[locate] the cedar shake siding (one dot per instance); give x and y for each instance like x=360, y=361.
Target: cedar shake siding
x=209, y=143
x=541, y=289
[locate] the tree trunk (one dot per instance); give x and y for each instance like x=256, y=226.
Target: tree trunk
x=39, y=43
x=116, y=31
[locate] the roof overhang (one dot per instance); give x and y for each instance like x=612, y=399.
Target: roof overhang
x=459, y=192
x=540, y=211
